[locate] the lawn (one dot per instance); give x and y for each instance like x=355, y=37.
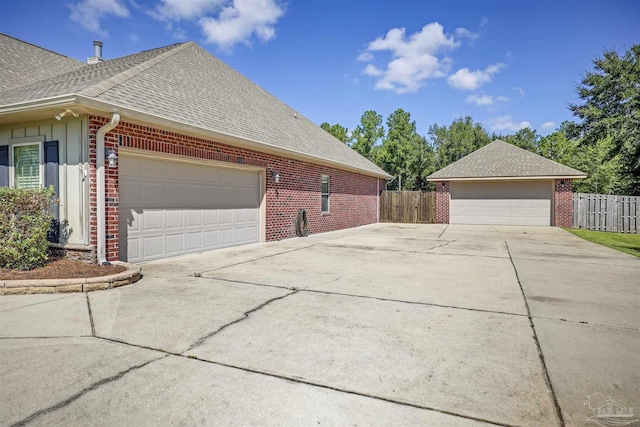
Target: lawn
x=629, y=243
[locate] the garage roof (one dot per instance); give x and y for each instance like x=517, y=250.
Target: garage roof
x=499, y=160
x=185, y=84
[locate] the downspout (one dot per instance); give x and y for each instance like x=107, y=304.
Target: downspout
x=101, y=199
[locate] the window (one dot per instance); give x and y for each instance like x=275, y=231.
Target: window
x=325, y=193
x=26, y=162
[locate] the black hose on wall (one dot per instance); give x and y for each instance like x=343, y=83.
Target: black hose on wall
x=302, y=224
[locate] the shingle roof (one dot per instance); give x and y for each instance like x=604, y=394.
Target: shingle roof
x=22, y=63
x=185, y=83
x=500, y=159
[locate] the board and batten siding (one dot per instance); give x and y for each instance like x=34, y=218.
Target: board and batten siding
x=73, y=157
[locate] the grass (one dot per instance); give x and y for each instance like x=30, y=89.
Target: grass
x=628, y=243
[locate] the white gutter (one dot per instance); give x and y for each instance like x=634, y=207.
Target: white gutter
x=101, y=199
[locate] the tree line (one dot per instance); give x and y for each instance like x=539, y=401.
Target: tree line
x=604, y=141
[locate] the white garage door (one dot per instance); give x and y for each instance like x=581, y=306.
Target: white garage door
x=501, y=202
x=171, y=207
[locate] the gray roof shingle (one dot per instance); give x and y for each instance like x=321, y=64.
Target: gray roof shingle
x=187, y=84
x=23, y=63
x=500, y=159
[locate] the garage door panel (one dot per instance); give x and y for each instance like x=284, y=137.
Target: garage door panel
x=174, y=219
x=504, y=203
x=188, y=207
x=225, y=216
x=210, y=217
x=152, y=246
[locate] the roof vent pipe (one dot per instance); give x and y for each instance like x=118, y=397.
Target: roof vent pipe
x=97, y=49
x=97, y=53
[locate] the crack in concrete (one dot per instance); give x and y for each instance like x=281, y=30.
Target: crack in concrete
x=299, y=380
x=443, y=244
x=93, y=327
x=584, y=322
x=445, y=229
x=84, y=391
x=537, y=342
x=293, y=379
x=255, y=259
x=367, y=296
x=245, y=316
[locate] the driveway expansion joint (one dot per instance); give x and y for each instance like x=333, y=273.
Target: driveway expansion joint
x=253, y=260
x=93, y=327
x=537, y=342
x=84, y=391
x=300, y=380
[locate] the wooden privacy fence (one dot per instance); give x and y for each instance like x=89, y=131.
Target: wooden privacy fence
x=605, y=212
x=408, y=206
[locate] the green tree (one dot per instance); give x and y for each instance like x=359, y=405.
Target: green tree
x=558, y=147
x=340, y=132
x=404, y=152
x=526, y=138
x=604, y=170
x=368, y=133
x=610, y=108
x=453, y=142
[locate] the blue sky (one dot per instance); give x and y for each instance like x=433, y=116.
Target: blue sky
x=507, y=64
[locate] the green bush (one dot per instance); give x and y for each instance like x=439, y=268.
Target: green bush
x=25, y=217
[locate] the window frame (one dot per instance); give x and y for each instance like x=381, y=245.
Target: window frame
x=327, y=194
x=21, y=142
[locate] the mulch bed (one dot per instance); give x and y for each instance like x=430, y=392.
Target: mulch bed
x=62, y=268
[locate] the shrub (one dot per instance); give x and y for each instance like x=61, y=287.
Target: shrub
x=25, y=217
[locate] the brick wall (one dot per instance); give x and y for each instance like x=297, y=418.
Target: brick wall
x=562, y=203
x=443, y=196
x=353, y=199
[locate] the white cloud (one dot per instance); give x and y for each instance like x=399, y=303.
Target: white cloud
x=465, y=79
x=464, y=33
x=365, y=57
x=548, y=125
x=479, y=100
x=507, y=123
x=89, y=13
x=224, y=22
x=176, y=10
x=413, y=59
x=483, y=100
x=519, y=90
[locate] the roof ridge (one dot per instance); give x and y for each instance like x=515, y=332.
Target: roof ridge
x=42, y=48
x=115, y=80
x=536, y=154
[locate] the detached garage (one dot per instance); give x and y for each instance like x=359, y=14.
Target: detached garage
x=502, y=184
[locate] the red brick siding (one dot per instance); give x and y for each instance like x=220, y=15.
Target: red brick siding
x=443, y=196
x=562, y=203
x=353, y=199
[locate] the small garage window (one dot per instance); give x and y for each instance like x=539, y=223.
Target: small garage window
x=325, y=193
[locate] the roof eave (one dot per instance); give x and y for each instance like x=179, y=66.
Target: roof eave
x=163, y=122
x=505, y=178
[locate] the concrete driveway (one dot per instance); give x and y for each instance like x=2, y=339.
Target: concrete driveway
x=388, y=324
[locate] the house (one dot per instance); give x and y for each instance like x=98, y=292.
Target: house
x=170, y=151
x=504, y=184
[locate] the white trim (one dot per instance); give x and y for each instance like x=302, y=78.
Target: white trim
x=101, y=107
x=511, y=178
x=22, y=142
x=328, y=193
x=179, y=158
